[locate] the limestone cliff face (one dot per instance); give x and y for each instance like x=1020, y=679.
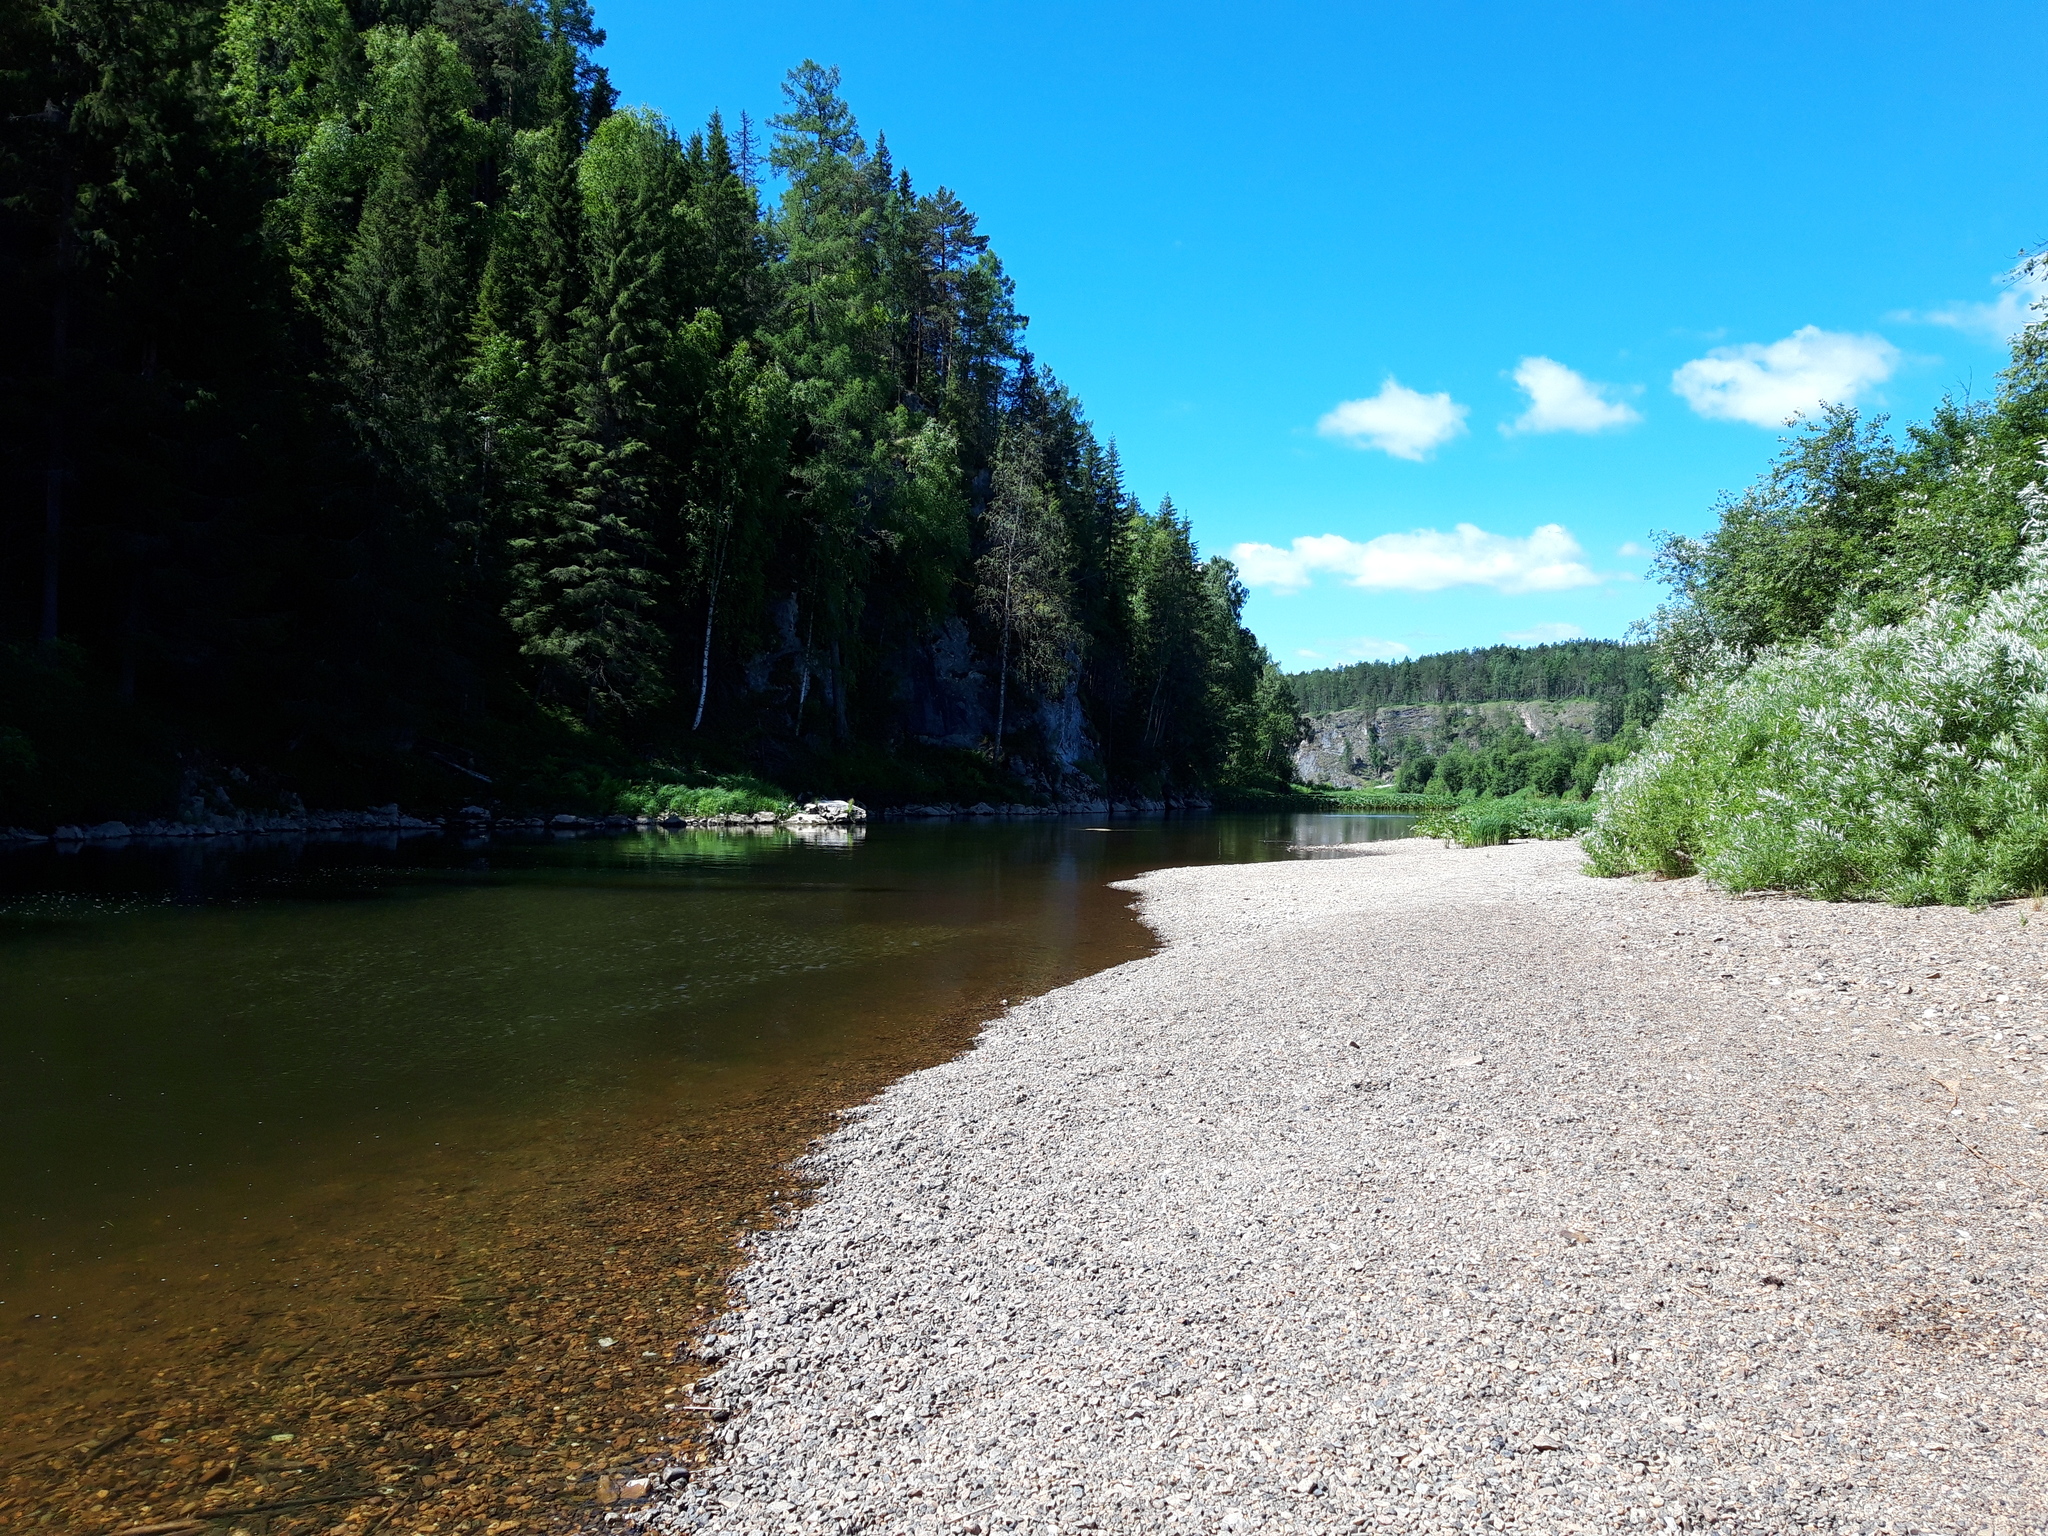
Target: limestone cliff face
x=1351, y=747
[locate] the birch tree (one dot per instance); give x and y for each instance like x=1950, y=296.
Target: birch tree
x=1023, y=583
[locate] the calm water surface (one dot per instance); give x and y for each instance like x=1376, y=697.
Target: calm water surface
x=209, y=1053
x=277, y=1123
x=186, y=1018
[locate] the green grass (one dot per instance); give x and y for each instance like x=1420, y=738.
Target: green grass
x=1490, y=823
x=725, y=794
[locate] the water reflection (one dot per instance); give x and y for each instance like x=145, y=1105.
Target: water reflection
x=200, y=1028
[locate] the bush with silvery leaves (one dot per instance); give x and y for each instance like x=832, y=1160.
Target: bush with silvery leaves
x=1905, y=763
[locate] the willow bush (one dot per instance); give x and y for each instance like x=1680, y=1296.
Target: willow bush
x=1905, y=763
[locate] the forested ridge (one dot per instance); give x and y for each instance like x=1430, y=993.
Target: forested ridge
x=389, y=413
x=1623, y=675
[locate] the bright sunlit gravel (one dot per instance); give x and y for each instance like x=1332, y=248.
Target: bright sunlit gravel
x=1431, y=1190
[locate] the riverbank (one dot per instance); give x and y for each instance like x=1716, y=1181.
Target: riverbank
x=388, y=820
x=1430, y=1190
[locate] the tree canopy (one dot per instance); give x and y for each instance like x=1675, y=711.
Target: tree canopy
x=1616, y=674
x=389, y=412
x=1852, y=525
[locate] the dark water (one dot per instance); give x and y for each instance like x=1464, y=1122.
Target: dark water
x=184, y=1020
x=210, y=1055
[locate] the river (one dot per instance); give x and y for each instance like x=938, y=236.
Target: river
x=279, y=1124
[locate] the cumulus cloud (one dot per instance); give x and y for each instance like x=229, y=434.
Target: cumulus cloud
x=1425, y=560
x=1543, y=634
x=1767, y=384
x=1561, y=400
x=1998, y=319
x=1398, y=420
x=1633, y=551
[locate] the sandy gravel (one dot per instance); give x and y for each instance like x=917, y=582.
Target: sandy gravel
x=1432, y=1190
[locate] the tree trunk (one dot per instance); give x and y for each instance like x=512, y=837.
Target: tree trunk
x=1002, y=688
x=1003, y=656
x=704, y=671
x=53, y=523
x=710, y=612
x=803, y=681
x=54, y=470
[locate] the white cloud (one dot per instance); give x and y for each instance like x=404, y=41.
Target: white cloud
x=1766, y=385
x=1998, y=320
x=1366, y=648
x=1543, y=634
x=1398, y=420
x=1561, y=400
x=1633, y=551
x=1425, y=560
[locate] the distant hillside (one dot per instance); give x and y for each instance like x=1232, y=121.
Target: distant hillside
x=1372, y=721
x=1571, y=669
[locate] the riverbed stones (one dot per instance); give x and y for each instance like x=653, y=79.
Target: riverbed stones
x=1679, y=1253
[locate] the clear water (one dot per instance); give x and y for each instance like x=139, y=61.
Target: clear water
x=211, y=1057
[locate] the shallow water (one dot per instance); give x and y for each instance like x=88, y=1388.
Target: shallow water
x=227, y=1076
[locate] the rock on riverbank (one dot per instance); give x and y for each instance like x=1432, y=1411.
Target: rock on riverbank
x=1430, y=1190
x=389, y=819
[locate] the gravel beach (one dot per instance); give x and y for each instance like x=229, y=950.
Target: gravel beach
x=1430, y=1190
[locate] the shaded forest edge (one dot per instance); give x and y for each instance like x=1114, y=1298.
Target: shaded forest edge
x=391, y=416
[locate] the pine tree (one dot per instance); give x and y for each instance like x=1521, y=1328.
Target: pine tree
x=588, y=583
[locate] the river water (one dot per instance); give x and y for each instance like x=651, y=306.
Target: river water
x=278, y=1124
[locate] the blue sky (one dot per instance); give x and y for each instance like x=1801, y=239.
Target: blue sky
x=1430, y=315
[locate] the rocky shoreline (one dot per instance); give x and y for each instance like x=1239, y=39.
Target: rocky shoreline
x=1427, y=1190
x=477, y=820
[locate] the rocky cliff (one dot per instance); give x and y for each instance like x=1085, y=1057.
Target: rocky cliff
x=1351, y=747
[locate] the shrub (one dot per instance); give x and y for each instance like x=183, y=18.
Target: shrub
x=1490, y=823
x=731, y=794
x=1907, y=763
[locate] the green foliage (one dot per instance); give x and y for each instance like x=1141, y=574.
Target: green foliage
x=413, y=415
x=734, y=794
x=1859, y=641
x=1490, y=823
x=1622, y=677
x=1905, y=763
x=1516, y=763
x=1850, y=527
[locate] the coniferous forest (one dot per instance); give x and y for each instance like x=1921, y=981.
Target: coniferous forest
x=391, y=413
x=1623, y=676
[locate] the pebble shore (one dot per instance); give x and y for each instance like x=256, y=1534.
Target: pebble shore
x=1429, y=1190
